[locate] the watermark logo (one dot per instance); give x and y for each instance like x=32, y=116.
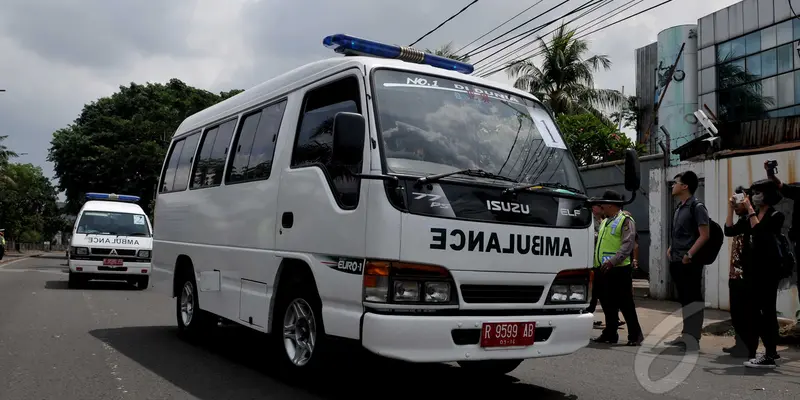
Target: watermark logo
x=655, y=344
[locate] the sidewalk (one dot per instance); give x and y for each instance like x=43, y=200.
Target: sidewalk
x=652, y=313
x=12, y=257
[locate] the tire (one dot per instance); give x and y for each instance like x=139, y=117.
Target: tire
x=309, y=328
x=490, y=367
x=194, y=322
x=75, y=281
x=142, y=283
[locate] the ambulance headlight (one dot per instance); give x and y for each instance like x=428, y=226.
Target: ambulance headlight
x=405, y=283
x=80, y=251
x=143, y=254
x=571, y=286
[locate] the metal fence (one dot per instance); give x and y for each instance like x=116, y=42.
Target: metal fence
x=16, y=247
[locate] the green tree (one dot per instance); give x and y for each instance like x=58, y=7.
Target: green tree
x=630, y=113
x=447, y=51
x=5, y=157
x=118, y=143
x=29, y=209
x=565, y=80
x=593, y=140
x=740, y=97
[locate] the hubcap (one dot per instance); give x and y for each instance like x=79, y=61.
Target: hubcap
x=187, y=303
x=299, y=332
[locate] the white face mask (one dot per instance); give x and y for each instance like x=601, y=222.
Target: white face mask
x=758, y=199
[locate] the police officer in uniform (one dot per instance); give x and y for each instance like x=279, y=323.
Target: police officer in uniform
x=616, y=240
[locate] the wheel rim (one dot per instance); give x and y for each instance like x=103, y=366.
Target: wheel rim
x=187, y=303
x=299, y=332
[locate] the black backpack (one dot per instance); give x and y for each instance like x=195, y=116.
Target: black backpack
x=786, y=257
x=708, y=253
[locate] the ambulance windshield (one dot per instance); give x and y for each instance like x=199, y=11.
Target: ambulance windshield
x=113, y=223
x=431, y=125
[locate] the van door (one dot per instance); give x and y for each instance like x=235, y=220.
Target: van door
x=322, y=211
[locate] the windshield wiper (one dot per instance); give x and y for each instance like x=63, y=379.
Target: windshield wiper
x=549, y=185
x=137, y=234
x=469, y=172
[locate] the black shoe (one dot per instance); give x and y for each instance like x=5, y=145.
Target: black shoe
x=738, y=351
x=637, y=342
x=676, y=342
x=605, y=340
x=763, y=361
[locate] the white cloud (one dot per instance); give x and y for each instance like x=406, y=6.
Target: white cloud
x=57, y=57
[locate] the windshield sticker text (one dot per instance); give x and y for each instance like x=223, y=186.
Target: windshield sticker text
x=488, y=242
x=472, y=92
x=106, y=240
x=550, y=136
x=516, y=208
x=138, y=219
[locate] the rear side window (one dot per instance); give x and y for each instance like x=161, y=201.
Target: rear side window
x=254, y=146
x=210, y=163
x=176, y=174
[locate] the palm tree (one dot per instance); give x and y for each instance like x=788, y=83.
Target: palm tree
x=565, y=80
x=5, y=156
x=447, y=51
x=740, y=94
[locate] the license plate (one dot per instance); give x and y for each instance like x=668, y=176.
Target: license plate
x=507, y=334
x=112, y=261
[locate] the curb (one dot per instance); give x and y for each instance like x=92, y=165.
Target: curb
x=22, y=258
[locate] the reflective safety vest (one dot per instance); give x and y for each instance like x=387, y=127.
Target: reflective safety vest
x=609, y=240
x=3, y=241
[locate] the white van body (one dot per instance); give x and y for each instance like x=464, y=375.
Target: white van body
x=111, y=240
x=288, y=227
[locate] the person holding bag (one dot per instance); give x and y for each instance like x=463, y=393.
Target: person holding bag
x=760, y=258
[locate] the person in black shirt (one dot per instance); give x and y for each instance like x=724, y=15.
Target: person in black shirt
x=759, y=267
x=792, y=192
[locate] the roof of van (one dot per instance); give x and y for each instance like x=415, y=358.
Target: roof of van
x=311, y=72
x=112, y=206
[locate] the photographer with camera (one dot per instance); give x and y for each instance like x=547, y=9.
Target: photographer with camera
x=737, y=290
x=759, y=259
x=792, y=192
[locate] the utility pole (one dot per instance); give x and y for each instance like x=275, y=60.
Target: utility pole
x=621, y=110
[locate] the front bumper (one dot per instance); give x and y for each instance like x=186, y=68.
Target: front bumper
x=457, y=338
x=96, y=268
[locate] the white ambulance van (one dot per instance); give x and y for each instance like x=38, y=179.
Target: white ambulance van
x=112, y=240
x=387, y=197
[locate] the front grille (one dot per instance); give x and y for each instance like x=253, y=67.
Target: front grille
x=120, y=252
x=501, y=294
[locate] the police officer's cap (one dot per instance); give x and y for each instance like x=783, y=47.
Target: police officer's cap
x=609, y=197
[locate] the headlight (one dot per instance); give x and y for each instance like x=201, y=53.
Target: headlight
x=143, y=254
x=403, y=283
x=571, y=286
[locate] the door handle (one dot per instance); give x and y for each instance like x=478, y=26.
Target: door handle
x=287, y=220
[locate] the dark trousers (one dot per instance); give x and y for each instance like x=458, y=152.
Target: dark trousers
x=688, y=280
x=2, y=252
x=763, y=313
x=618, y=297
x=740, y=311
x=597, y=290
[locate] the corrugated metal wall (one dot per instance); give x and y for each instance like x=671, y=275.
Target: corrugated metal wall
x=646, y=64
x=601, y=177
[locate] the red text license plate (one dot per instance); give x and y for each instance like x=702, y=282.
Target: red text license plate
x=112, y=261
x=507, y=334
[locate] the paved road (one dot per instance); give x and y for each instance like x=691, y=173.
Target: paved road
x=111, y=342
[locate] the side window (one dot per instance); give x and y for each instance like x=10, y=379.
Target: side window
x=213, y=151
x=185, y=162
x=315, y=134
x=172, y=165
x=255, y=146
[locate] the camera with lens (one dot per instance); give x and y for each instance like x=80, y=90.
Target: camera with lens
x=772, y=167
x=740, y=193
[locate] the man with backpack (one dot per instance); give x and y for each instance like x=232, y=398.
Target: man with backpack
x=688, y=254
x=789, y=191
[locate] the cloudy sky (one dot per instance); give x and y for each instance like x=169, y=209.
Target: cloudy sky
x=57, y=55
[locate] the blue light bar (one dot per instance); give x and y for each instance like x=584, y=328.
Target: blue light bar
x=112, y=197
x=356, y=46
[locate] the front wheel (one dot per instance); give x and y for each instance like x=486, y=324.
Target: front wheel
x=297, y=330
x=143, y=282
x=492, y=367
x=192, y=321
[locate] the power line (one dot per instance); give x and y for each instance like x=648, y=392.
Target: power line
x=540, y=27
x=477, y=49
x=494, y=63
x=587, y=34
x=442, y=24
x=581, y=28
x=499, y=26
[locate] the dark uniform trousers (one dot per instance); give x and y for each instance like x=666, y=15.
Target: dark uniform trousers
x=617, y=297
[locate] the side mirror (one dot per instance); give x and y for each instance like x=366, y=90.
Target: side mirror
x=633, y=176
x=349, y=135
